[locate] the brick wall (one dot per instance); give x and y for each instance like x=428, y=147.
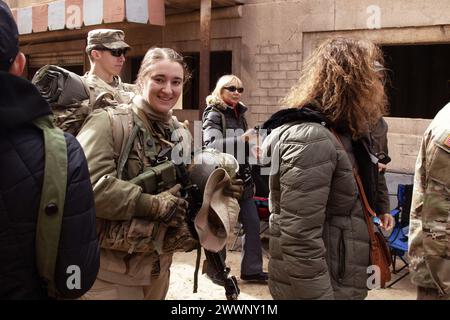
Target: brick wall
x=276, y=72
x=404, y=137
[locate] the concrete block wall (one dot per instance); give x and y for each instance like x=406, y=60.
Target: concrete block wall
x=273, y=52
x=277, y=32
x=404, y=138
x=277, y=70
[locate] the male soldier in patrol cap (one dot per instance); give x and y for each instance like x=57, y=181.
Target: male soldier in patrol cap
x=106, y=49
x=429, y=238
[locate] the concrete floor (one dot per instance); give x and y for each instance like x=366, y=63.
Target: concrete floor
x=182, y=271
x=402, y=290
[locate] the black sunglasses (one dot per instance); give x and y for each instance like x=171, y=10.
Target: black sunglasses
x=234, y=88
x=118, y=52
x=115, y=52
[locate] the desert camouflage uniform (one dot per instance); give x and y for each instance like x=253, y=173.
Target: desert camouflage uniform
x=429, y=238
x=122, y=92
x=109, y=39
x=130, y=268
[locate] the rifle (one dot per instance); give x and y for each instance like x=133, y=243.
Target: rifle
x=165, y=175
x=230, y=283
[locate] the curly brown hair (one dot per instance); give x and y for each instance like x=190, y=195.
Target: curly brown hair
x=344, y=77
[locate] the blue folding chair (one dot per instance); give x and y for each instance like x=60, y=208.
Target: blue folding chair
x=398, y=240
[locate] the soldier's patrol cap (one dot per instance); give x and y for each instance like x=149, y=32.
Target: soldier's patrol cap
x=106, y=38
x=9, y=37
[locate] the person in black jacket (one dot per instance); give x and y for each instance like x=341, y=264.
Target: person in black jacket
x=225, y=129
x=380, y=147
x=22, y=162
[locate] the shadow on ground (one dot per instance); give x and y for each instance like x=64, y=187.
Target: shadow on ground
x=182, y=282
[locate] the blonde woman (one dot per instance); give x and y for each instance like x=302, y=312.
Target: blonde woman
x=225, y=129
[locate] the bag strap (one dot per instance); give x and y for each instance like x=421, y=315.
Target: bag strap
x=358, y=180
x=122, y=126
x=362, y=193
x=51, y=207
x=89, y=90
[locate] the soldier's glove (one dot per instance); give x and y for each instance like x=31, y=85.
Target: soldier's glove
x=234, y=189
x=169, y=207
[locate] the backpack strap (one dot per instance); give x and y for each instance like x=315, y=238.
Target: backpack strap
x=89, y=90
x=121, y=125
x=125, y=126
x=51, y=207
x=127, y=144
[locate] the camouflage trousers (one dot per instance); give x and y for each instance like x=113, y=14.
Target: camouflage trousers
x=105, y=290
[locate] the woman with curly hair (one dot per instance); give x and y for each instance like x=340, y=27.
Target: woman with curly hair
x=319, y=243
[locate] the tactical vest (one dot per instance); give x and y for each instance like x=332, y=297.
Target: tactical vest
x=158, y=175
x=72, y=98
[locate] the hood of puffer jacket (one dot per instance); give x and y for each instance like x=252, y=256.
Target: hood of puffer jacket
x=275, y=123
x=20, y=102
x=305, y=114
x=221, y=105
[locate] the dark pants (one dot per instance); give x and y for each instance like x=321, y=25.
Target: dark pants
x=251, y=254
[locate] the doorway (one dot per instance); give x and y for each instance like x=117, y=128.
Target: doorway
x=418, y=84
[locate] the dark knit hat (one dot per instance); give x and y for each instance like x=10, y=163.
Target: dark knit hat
x=9, y=37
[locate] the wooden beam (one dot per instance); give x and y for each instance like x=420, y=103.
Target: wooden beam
x=216, y=14
x=205, y=49
x=64, y=35
x=57, y=47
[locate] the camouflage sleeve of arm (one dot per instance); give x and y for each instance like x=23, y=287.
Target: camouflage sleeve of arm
x=436, y=210
x=115, y=199
x=418, y=194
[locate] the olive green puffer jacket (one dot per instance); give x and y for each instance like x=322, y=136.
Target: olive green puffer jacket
x=319, y=244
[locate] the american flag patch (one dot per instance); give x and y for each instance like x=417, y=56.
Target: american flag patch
x=447, y=141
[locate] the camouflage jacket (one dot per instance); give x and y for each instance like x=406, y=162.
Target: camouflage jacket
x=127, y=252
x=122, y=92
x=429, y=236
